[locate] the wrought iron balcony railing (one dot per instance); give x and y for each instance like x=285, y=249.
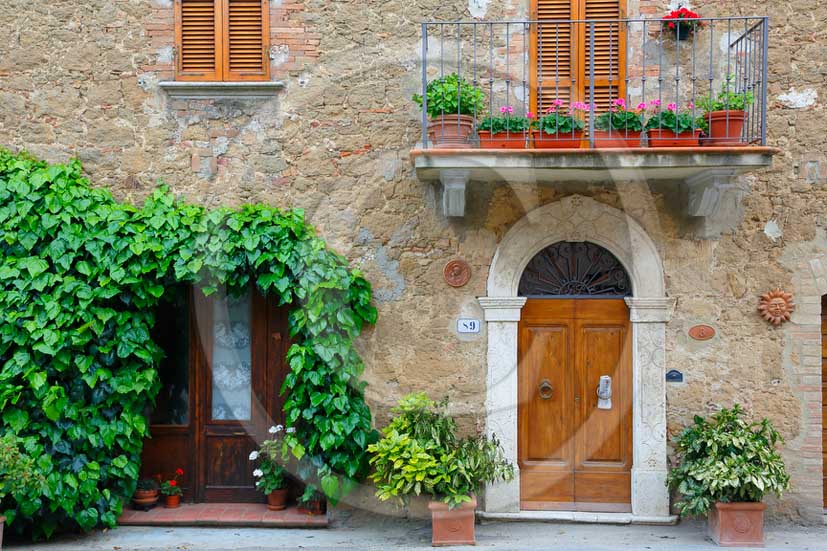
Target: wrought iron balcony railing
x=702, y=83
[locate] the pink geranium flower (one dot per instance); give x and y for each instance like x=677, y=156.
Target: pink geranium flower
x=672, y=107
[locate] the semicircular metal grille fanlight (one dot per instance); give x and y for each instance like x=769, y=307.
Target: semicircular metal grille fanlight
x=575, y=270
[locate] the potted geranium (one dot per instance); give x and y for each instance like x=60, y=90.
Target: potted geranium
x=420, y=454
x=619, y=127
x=682, y=23
x=452, y=103
x=725, y=114
x=172, y=490
x=727, y=465
x=17, y=473
x=270, y=472
x=146, y=494
x=506, y=131
x=671, y=128
x=559, y=129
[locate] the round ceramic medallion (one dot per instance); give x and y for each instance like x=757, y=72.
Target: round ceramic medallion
x=776, y=306
x=457, y=273
x=742, y=523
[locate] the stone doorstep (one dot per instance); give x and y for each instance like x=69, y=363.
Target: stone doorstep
x=254, y=515
x=578, y=517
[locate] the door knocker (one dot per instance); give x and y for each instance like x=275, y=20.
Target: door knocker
x=546, y=390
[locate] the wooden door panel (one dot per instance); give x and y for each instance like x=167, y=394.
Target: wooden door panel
x=603, y=434
x=229, y=471
x=546, y=359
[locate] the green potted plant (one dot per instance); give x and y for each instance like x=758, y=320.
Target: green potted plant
x=270, y=472
x=452, y=104
x=172, y=490
x=682, y=23
x=672, y=129
x=618, y=127
x=725, y=114
x=507, y=131
x=146, y=494
x=727, y=465
x=17, y=472
x=558, y=129
x=312, y=501
x=420, y=454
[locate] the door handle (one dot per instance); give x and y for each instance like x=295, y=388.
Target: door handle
x=239, y=433
x=545, y=389
x=604, y=393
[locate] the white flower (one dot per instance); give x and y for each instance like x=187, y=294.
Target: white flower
x=275, y=429
x=257, y=473
x=291, y=430
x=253, y=455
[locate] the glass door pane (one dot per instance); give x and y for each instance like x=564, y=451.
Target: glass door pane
x=231, y=358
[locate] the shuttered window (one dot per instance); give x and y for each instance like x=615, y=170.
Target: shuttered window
x=222, y=40
x=561, y=52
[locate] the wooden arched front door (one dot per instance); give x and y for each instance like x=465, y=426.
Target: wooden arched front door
x=220, y=383
x=575, y=438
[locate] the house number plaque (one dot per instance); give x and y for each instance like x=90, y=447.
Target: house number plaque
x=468, y=326
x=702, y=332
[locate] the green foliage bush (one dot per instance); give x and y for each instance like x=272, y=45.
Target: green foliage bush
x=451, y=95
x=80, y=274
x=727, y=459
x=421, y=454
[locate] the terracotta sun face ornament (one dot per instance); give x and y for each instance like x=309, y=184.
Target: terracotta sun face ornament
x=776, y=306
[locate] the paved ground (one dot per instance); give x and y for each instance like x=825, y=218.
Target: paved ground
x=368, y=532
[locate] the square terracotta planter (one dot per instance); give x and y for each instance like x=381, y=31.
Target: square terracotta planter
x=737, y=524
x=452, y=526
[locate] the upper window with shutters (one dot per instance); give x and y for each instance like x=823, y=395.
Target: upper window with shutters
x=222, y=40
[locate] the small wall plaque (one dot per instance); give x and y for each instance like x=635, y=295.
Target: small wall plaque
x=457, y=273
x=674, y=376
x=468, y=326
x=702, y=332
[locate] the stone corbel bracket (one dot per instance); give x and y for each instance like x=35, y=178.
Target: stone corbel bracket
x=454, y=184
x=714, y=198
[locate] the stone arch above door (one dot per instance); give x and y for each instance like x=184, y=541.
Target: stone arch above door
x=578, y=218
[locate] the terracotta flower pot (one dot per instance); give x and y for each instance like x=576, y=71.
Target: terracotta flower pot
x=452, y=526
x=502, y=140
x=737, y=524
x=277, y=500
x=451, y=131
x=567, y=140
x=604, y=139
x=2, y=524
x=172, y=502
x=725, y=128
x=670, y=138
x=145, y=499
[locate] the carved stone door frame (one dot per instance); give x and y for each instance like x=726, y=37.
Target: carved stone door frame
x=577, y=218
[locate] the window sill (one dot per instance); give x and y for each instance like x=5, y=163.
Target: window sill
x=214, y=90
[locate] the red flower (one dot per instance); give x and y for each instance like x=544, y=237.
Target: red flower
x=179, y=472
x=671, y=25
x=173, y=483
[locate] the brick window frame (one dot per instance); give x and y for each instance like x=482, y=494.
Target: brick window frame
x=222, y=40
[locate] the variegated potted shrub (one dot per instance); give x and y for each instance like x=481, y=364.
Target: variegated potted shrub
x=420, y=454
x=726, y=466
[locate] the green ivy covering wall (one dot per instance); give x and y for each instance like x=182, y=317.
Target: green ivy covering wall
x=80, y=274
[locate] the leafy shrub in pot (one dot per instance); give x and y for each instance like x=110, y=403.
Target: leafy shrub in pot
x=727, y=465
x=725, y=113
x=420, y=454
x=451, y=103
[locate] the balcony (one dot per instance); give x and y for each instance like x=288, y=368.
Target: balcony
x=599, y=100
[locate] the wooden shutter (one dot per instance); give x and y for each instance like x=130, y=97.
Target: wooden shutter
x=222, y=40
x=197, y=25
x=246, y=32
x=560, y=53
x=609, y=53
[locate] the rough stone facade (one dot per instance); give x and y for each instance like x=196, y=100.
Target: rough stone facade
x=80, y=79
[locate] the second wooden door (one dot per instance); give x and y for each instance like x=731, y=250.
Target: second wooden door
x=575, y=451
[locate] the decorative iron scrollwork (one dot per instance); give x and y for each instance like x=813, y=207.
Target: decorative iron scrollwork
x=575, y=270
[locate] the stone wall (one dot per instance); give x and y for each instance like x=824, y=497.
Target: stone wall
x=80, y=79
